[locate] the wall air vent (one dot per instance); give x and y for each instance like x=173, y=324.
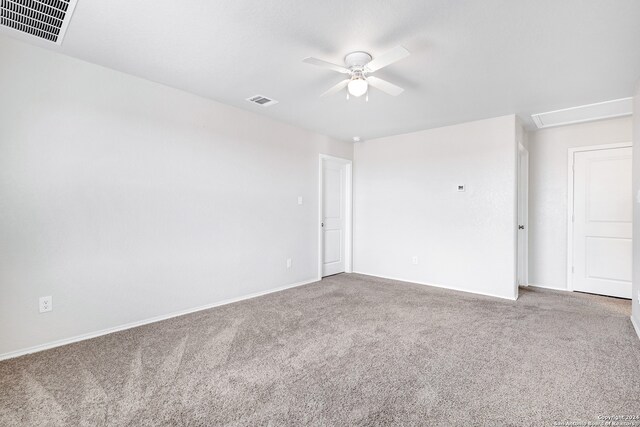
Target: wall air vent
x=44, y=19
x=262, y=101
x=584, y=113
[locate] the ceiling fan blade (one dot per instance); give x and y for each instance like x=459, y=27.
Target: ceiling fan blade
x=385, y=86
x=337, y=88
x=395, y=54
x=325, y=64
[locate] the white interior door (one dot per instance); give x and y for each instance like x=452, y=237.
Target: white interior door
x=523, y=220
x=602, y=222
x=333, y=217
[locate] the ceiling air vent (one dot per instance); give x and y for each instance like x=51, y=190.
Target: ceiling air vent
x=584, y=113
x=44, y=19
x=262, y=101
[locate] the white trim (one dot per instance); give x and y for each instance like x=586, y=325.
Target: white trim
x=348, y=228
x=65, y=24
x=522, y=153
x=452, y=288
x=516, y=191
x=570, y=162
x=635, y=326
x=601, y=146
x=82, y=337
x=537, y=121
x=553, y=288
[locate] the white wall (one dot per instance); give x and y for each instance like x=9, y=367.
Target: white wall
x=406, y=205
x=548, y=164
x=636, y=214
x=125, y=199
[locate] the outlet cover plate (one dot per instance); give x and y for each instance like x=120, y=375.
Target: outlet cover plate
x=46, y=304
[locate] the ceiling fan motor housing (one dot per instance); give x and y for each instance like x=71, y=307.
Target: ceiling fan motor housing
x=357, y=59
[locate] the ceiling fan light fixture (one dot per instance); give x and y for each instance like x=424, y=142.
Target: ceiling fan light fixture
x=357, y=65
x=358, y=86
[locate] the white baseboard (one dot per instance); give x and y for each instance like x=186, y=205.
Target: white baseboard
x=65, y=341
x=548, y=287
x=453, y=288
x=636, y=326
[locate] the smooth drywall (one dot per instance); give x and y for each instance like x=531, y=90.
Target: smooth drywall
x=407, y=205
x=635, y=307
x=548, y=169
x=126, y=200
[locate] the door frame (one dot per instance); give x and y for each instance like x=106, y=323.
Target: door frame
x=523, y=203
x=348, y=203
x=570, y=191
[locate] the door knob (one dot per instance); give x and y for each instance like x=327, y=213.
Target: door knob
x=521, y=227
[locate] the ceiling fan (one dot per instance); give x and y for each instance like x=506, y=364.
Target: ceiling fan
x=358, y=66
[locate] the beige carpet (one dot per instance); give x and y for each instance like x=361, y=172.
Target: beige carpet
x=350, y=350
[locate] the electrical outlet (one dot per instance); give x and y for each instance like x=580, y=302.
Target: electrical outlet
x=299, y=200
x=414, y=260
x=288, y=262
x=46, y=304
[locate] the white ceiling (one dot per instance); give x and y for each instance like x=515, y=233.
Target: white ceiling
x=470, y=59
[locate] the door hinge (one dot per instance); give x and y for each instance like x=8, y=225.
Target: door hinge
x=573, y=269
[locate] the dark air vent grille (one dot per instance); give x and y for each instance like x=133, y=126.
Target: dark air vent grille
x=41, y=18
x=262, y=100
